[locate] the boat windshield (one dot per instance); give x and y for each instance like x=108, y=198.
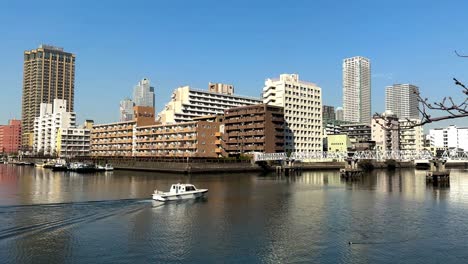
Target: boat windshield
x=189, y=188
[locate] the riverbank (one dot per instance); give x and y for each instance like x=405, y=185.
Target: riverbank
x=172, y=165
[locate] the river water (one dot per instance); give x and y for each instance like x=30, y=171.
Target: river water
x=389, y=216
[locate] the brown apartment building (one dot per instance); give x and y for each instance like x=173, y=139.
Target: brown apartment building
x=254, y=128
x=185, y=139
x=143, y=137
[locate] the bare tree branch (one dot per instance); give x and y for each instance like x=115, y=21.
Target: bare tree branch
x=448, y=105
x=464, y=56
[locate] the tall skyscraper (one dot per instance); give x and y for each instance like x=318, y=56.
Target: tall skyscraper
x=143, y=94
x=49, y=73
x=357, y=90
x=302, y=102
x=328, y=113
x=402, y=100
x=126, y=110
x=339, y=114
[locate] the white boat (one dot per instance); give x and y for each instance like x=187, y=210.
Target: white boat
x=179, y=191
x=108, y=167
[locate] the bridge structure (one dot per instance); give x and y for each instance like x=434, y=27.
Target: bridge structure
x=318, y=156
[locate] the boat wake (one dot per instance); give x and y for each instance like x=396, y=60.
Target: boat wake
x=25, y=220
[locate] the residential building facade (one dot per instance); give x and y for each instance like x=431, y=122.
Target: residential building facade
x=49, y=73
x=186, y=139
x=302, y=103
x=255, y=128
x=411, y=137
x=357, y=90
x=10, y=137
x=188, y=103
x=52, y=118
x=402, y=100
x=451, y=137
x=73, y=142
x=386, y=132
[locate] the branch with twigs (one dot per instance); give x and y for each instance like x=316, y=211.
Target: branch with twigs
x=447, y=105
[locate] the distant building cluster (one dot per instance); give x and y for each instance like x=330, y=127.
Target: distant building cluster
x=290, y=116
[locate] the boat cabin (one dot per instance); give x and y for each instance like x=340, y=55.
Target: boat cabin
x=180, y=188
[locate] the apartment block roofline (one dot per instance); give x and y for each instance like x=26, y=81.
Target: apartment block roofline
x=115, y=123
x=235, y=96
x=167, y=124
x=299, y=81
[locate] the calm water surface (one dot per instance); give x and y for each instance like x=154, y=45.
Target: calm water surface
x=390, y=217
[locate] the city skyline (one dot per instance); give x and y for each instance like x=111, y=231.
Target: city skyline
x=174, y=65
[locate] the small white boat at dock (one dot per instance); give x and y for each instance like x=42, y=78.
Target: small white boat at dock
x=179, y=191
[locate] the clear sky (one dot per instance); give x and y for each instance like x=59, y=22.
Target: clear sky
x=175, y=43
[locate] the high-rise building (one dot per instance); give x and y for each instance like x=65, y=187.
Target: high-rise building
x=452, y=137
x=302, y=103
x=402, y=100
x=357, y=90
x=339, y=114
x=221, y=88
x=49, y=73
x=10, y=137
x=187, y=103
x=143, y=94
x=328, y=113
x=126, y=110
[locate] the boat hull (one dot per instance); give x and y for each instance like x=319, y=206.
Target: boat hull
x=177, y=197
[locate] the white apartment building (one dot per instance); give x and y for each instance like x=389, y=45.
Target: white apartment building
x=47, y=125
x=187, y=103
x=452, y=137
x=357, y=90
x=302, y=102
x=73, y=141
x=411, y=139
x=402, y=100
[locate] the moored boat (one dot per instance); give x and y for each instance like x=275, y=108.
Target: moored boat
x=60, y=167
x=179, y=191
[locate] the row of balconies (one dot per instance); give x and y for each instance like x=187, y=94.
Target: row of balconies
x=108, y=141
x=164, y=154
x=187, y=138
x=112, y=128
x=166, y=131
x=152, y=147
x=119, y=147
x=244, y=127
x=106, y=135
x=245, y=119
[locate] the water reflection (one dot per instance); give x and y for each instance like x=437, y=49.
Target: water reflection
x=59, y=217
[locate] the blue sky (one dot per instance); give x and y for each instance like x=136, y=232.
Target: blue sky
x=177, y=43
